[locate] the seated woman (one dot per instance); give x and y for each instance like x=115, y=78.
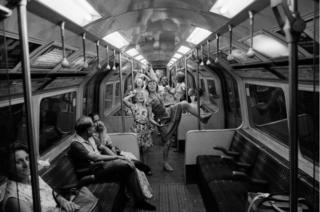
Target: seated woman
x=105, y=144
x=18, y=196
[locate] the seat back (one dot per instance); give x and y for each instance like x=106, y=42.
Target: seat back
x=126, y=142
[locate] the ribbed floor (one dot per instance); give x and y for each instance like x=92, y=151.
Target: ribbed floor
x=170, y=192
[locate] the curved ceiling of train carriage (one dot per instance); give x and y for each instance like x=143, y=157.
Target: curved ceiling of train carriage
x=156, y=28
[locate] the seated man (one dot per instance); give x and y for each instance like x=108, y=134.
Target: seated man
x=105, y=145
x=112, y=168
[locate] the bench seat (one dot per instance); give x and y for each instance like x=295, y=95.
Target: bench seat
x=61, y=173
x=223, y=192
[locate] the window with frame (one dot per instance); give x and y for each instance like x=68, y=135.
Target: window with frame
x=232, y=102
x=108, y=98
x=308, y=124
x=57, y=119
x=13, y=129
x=267, y=110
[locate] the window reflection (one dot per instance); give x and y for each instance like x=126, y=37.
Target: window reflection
x=57, y=119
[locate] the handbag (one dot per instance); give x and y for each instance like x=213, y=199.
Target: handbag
x=82, y=197
x=277, y=202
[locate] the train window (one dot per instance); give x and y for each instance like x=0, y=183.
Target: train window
x=108, y=98
x=57, y=119
x=13, y=124
x=88, y=96
x=117, y=94
x=267, y=110
x=232, y=102
x=13, y=129
x=308, y=124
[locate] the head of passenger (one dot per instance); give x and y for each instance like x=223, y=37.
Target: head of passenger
x=180, y=77
x=164, y=81
x=18, y=163
x=139, y=82
x=152, y=86
x=94, y=117
x=85, y=127
x=139, y=97
x=192, y=94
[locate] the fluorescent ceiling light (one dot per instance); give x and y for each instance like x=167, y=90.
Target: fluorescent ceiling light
x=139, y=57
x=177, y=55
x=198, y=35
x=229, y=8
x=183, y=49
x=173, y=59
x=132, y=52
x=78, y=11
x=144, y=61
x=116, y=39
x=269, y=46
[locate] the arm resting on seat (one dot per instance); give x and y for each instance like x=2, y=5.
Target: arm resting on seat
x=227, y=152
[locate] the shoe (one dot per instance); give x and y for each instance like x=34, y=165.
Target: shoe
x=145, y=206
x=167, y=167
x=205, y=117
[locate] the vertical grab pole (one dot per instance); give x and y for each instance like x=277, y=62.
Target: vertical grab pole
x=23, y=35
x=198, y=82
x=293, y=26
x=121, y=94
x=186, y=76
x=132, y=77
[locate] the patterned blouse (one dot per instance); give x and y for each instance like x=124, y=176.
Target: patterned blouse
x=23, y=192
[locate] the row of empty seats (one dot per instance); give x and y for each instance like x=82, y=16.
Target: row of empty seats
x=245, y=165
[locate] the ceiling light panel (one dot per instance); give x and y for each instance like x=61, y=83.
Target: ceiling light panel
x=229, y=8
x=183, y=49
x=270, y=46
x=132, y=52
x=139, y=57
x=116, y=39
x=198, y=35
x=177, y=55
x=78, y=11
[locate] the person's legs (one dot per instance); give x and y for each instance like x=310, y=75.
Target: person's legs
x=166, y=149
x=123, y=171
x=142, y=167
x=194, y=111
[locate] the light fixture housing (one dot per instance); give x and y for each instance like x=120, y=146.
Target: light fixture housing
x=132, y=52
x=269, y=46
x=183, y=49
x=177, y=55
x=116, y=39
x=139, y=57
x=230, y=8
x=197, y=35
x=80, y=12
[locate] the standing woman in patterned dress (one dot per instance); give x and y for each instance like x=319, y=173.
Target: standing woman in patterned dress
x=142, y=116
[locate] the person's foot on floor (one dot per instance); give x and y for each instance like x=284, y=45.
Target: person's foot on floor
x=145, y=206
x=167, y=167
x=204, y=118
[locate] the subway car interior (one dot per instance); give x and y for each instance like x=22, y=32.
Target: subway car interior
x=253, y=65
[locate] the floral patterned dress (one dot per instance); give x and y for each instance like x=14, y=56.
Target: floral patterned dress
x=141, y=126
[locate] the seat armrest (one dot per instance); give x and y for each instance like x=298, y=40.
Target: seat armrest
x=259, y=181
x=227, y=152
x=240, y=175
x=244, y=165
x=225, y=157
